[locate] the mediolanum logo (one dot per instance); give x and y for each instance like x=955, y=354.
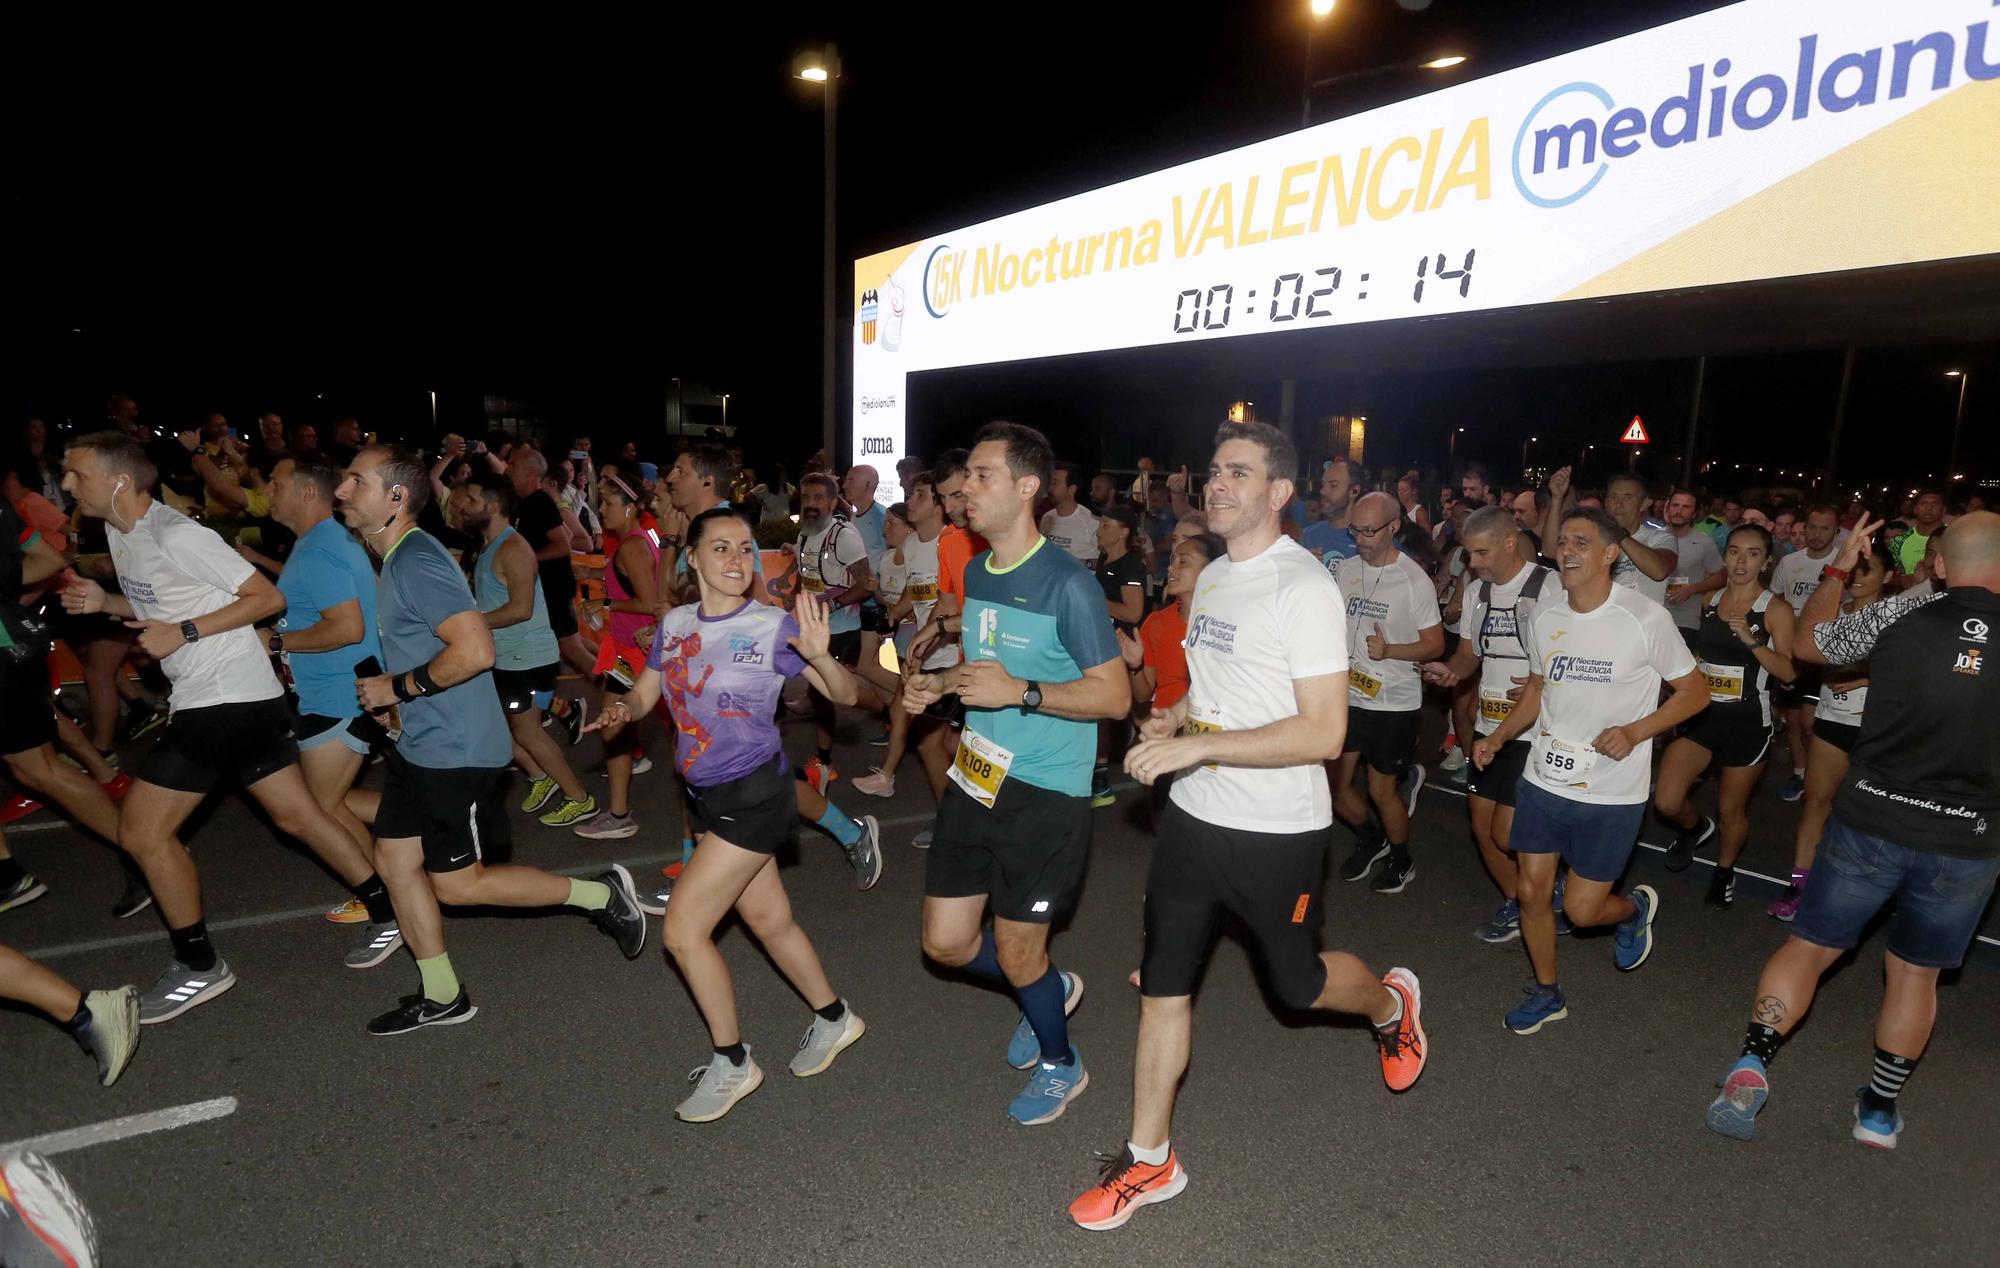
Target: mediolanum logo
x=1571, y=137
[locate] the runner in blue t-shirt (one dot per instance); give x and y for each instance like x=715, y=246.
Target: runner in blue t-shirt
x=1013, y=827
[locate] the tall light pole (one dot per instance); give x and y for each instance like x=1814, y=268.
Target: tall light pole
x=1524, y=454
x=1319, y=10
x=1957, y=421
x=823, y=68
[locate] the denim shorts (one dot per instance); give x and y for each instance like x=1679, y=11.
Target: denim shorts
x=1939, y=899
x=1596, y=841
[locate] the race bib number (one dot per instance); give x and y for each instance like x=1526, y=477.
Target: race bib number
x=1494, y=706
x=1361, y=682
x=1725, y=682
x=923, y=592
x=813, y=585
x=1561, y=762
x=980, y=767
x=1195, y=726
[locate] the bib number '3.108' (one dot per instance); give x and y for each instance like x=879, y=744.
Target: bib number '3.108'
x=980, y=767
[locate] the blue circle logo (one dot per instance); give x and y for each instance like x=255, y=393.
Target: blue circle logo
x=935, y=308
x=1603, y=98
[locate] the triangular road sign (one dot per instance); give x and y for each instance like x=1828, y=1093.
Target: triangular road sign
x=1635, y=434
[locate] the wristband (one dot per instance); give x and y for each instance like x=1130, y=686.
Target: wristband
x=1835, y=574
x=277, y=642
x=396, y=685
x=425, y=684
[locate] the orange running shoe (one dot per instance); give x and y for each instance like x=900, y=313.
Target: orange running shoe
x=1127, y=1185
x=1404, y=1047
x=672, y=871
x=819, y=774
x=351, y=912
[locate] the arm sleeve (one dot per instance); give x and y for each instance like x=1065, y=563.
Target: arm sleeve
x=1312, y=626
x=785, y=659
x=1850, y=639
x=1082, y=624
x=201, y=554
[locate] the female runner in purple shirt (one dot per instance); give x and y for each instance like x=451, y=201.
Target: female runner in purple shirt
x=719, y=664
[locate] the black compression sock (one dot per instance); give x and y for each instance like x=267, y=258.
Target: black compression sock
x=1399, y=854
x=1891, y=1072
x=191, y=947
x=10, y=873
x=735, y=1052
x=832, y=1012
x=1761, y=1042
x=374, y=895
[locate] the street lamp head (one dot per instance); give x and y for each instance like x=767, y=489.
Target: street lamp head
x=1952, y=374
x=814, y=67
x=1320, y=8
x=1444, y=63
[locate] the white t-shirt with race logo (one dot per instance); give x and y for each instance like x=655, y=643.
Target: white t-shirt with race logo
x=921, y=589
x=890, y=577
x=1400, y=597
x=1076, y=533
x=1626, y=573
x=1254, y=628
x=1797, y=576
x=1498, y=633
x=173, y=569
x=1599, y=669
x=826, y=560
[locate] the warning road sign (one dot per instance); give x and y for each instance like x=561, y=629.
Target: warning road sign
x=1635, y=434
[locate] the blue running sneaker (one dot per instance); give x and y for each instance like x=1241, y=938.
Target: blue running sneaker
x=1635, y=936
x=1875, y=1128
x=1543, y=1005
x=1794, y=788
x=1505, y=925
x=1745, y=1088
x=1050, y=1090
x=1023, y=1050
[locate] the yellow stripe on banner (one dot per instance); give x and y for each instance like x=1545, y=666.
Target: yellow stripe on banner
x=871, y=272
x=1925, y=187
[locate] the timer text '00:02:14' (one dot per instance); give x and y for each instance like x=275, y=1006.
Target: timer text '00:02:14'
x=1209, y=310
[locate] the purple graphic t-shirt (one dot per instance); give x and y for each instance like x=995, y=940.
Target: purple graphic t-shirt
x=720, y=677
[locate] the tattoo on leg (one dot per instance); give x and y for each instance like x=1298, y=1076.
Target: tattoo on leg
x=1770, y=1010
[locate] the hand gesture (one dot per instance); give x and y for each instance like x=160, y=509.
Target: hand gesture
x=454, y=446
x=1178, y=482
x=1484, y=750
x=80, y=595
x=1131, y=649
x=675, y=525
x=921, y=691
x=159, y=639
x=614, y=713
x=232, y=449
x=811, y=640
x=1378, y=647
x=1438, y=674
x=1614, y=742
x=1157, y=725
x=986, y=684
x=1559, y=484
x=1858, y=540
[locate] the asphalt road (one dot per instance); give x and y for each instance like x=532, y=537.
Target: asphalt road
x=542, y=1132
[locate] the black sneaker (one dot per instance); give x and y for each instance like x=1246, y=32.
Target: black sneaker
x=1722, y=887
x=416, y=1012
x=1681, y=853
x=1392, y=879
x=572, y=722
x=621, y=917
x=134, y=900
x=1363, y=860
x=142, y=720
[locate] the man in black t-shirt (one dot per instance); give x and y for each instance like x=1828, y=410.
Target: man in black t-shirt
x=540, y=521
x=1912, y=823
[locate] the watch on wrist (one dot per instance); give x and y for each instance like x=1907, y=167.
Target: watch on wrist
x=188, y=632
x=1031, y=699
x=277, y=642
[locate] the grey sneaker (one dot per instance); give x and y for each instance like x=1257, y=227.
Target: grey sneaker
x=42, y=1220
x=922, y=840
x=113, y=1033
x=866, y=854
x=22, y=892
x=718, y=1086
x=824, y=1040
x=181, y=988
x=608, y=827
x=378, y=943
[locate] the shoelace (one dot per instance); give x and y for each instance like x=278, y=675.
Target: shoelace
x=1111, y=1174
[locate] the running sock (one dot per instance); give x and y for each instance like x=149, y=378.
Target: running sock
x=835, y=821
x=1798, y=772
x=832, y=1012
x=191, y=948
x=1761, y=1041
x=77, y=1024
x=1891, y=1073
x=588, y=895
x=986, y=963
x=440, y=981
x=1042, y=1001
x=374, y=895
x=687, y=848
x=1394, y=1018
x=10, y=873
x=1399, y=853
x=1151, y=1157
x=734, y=1053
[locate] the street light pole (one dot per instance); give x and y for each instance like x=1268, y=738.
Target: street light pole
x=1957, y=423
x=828, y=311
x=1524, y=455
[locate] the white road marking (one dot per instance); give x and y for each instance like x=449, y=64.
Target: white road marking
x=123, y=1128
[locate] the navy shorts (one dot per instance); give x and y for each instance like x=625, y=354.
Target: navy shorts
x=1596, y=841
x=1938, y=898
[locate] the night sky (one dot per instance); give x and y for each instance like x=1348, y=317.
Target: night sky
x=340, y=220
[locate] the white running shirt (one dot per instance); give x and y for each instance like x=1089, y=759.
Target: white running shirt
x=173, y=569
x=1254, y=628
x=1076, y=533
x=1797, y=576
x=1498, y=633
x=1626, y=573
x=1402, y=599
x=890, y=576
x=1601, y=668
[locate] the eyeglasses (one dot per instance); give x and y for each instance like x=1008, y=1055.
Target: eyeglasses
x=1361, y=530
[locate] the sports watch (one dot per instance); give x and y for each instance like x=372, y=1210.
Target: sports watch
x=1031, y=699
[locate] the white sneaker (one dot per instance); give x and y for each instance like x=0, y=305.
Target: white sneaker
x=1454, y=760
x=876, y=783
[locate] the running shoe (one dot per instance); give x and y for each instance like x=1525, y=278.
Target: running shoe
x=141, y=721
x=18, y=807
x=1023, y=1050
x=865, y=855
x=824, y=1040
x=608, y=827
x=1876, y=1128
x=1362, y=860
x=1404, y=1047
x=571, y=812
x=1124, y=1185
x=1050, y=1090
x=1635, y=936
x=22, y=892
x=1100, y=789
x=1681, y=853
x=1787, y=908
x=922, y=840
x=1733, y=1113
x=1794, y=788
x=1722, y=888
x=621, y=917
x=351, y=912
x=415, y=1012
x=641, y=763
x=1395, y=877
x=876, y=783
x=378, y=943
x=1505, y=926
x=1410, y=785
x=1543, y=1005
x=136, y=898
x=117, y=786
x=718, y=1086
x=572, y=722
x=819, y=774
x=181, y=988
x=42, y=1220
x=539, y=794
x=879, y=740
x=1453, y=760
x=1460, y=779
x=112, y=1034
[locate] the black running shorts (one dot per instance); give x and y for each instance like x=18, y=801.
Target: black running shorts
x=1026, y=854
x=757, y=812
x=459, y=812
x=1386, y=740
x=1736, y=733
x=246, y=741
x=1496, y=783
